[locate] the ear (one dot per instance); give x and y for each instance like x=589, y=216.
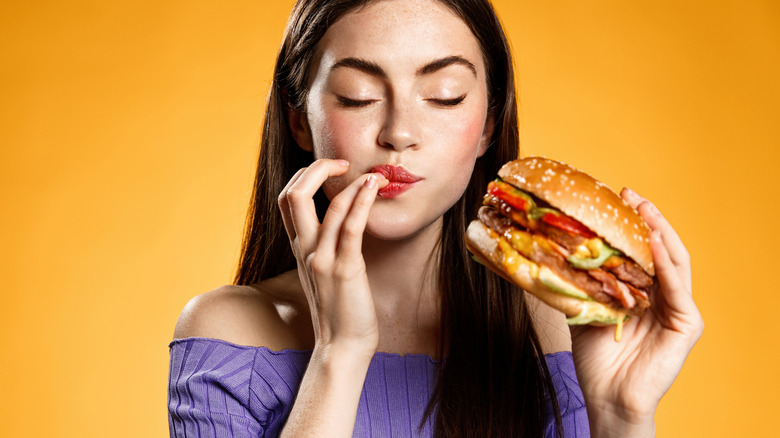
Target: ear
x=487, y=136
x=299, y=126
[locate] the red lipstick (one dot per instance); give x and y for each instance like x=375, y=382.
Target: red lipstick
x=400, y=179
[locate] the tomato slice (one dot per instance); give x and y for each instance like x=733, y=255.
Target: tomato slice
x=521, y=201
x=509, y=194
x=566, y=223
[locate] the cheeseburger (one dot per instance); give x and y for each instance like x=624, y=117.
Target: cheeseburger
x=566, y=238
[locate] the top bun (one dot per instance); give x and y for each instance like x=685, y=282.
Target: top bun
x=586, y=199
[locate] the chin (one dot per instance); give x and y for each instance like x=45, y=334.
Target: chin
x=397, y=226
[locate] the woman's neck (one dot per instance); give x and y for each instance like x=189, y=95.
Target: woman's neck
x=403, y=276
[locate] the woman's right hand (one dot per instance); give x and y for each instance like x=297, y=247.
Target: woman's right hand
x=330, y=260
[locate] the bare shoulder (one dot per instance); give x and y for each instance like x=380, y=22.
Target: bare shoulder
x=272, y=314
x=550, y=325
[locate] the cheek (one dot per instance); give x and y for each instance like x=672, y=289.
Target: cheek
x=463, y=137
x=339, y=135
x=461, y=154
x=472, y=129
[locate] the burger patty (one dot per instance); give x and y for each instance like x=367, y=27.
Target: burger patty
x=599, y=284
x=553, y=260
x=630, y=272
x=626, y=270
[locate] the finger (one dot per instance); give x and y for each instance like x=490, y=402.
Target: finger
x=300, y=198
x=338, y=210
x=675, y=293
x=350, y=243
x=675, y=249
x=631, y=197
x=650, y=213
x=284, y=206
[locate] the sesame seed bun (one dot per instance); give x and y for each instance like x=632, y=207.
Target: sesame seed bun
x=587, y=200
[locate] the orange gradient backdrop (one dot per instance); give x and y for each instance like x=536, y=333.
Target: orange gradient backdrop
x=128, y=133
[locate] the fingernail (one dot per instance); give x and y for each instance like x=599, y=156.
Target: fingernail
x=656, y=235
x=370, y=182
x=631, y=193
x=343, y=162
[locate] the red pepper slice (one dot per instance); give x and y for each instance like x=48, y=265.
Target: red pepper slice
x=566, y=223
x=499, y=190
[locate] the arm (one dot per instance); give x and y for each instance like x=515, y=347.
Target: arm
x=624, y=382
x=332, y=271
x=329, y=394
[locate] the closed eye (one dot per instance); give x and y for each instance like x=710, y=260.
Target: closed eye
x=352, y=103
x=448, y=102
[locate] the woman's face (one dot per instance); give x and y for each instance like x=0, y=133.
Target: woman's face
x=400, y=83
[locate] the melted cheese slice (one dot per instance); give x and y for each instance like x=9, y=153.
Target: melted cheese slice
x=513, y=261
x=594, y=312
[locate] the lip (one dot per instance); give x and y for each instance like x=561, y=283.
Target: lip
x=400, y=179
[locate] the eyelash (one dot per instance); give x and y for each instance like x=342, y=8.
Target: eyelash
x=448, y=102
x=351, y=103
x=347, y=102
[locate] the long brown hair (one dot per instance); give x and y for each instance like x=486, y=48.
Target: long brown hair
x=494, y=381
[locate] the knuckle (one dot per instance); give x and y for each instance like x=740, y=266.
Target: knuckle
x=339, y=206
x=293, y=196
x=363, y=202
x=365, y=198
x=351, y=231
x=700, y=327
x=318, y=164
x=317, y=264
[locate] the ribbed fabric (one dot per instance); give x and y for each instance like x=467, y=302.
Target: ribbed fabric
x=222, y=390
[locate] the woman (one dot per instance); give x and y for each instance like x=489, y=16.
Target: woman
x=356, y=308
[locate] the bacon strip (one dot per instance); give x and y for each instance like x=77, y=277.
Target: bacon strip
x=600, y=284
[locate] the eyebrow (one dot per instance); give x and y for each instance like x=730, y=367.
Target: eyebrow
x=374, y=69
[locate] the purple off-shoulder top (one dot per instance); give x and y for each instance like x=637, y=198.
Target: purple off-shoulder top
x=219, y=389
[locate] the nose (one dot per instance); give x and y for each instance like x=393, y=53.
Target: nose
x=400, y=127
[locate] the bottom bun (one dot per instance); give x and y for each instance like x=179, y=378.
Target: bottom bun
x=496, y=253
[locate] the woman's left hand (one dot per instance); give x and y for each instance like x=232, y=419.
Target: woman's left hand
x=623, y=381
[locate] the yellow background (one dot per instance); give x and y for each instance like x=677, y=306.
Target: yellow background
x=129, y=133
